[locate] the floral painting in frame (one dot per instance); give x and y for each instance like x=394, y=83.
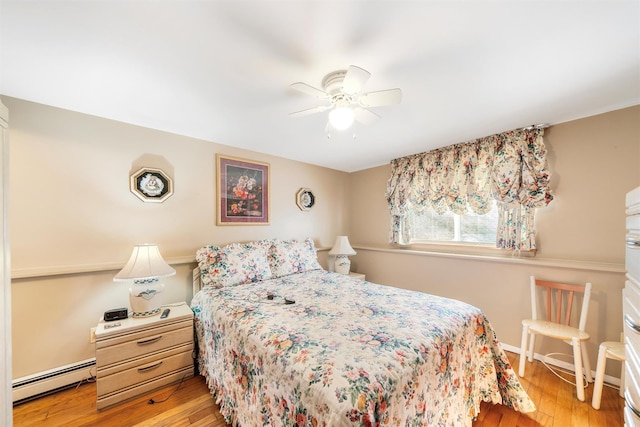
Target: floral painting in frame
x=243, y=191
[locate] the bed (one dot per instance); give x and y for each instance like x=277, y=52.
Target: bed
x=283, y=342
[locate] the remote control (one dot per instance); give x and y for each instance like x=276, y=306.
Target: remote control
x=165, y=313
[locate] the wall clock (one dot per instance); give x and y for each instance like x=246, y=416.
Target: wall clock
x=305, y=199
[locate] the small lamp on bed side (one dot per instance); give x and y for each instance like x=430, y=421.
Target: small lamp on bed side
x=342, y=249
x=145, y=267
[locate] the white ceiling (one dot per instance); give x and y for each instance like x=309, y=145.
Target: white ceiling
x=221, y=70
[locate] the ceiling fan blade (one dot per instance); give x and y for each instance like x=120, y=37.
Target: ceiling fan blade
x=310, y=90
x=354, y=80
x=381, y=97
x=308, y=111
x=365, y=116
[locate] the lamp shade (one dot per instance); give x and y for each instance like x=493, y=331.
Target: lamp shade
x=341, y=118
x=342, y=247
x=145, y=263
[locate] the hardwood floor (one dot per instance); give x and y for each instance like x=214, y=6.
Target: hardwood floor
x=556, y=403
x=191, y=405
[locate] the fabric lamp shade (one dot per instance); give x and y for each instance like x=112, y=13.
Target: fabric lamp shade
x=342, y=247
x=145, y=263
x=341, y=118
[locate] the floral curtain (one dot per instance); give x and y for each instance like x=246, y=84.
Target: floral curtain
x=509, y=167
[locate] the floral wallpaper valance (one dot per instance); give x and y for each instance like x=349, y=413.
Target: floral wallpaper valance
x=509, y=167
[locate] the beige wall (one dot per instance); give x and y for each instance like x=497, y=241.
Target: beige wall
x=594, y=163
x=71, y=211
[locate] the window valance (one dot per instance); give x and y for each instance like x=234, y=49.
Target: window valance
x=509, y=167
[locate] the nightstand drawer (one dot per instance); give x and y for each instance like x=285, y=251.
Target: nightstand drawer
x=135, y=345
x=144, y=369
x=115, y=398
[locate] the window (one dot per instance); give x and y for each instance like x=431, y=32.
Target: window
x=509, y=167
x=470, y=228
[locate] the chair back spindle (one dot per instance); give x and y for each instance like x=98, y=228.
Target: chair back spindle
x=561, y=295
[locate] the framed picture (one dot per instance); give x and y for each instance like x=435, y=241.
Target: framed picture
x=243, y=191
x=151, y=185
x=305, y=199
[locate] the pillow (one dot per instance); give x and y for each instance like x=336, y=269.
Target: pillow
x=234, y=264
x=291, y=256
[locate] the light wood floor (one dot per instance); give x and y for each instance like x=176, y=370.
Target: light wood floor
x=191, y=405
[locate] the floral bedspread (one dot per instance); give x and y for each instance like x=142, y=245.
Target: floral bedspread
x=348, y=353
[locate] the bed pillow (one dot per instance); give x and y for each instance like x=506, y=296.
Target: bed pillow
x=234, y=264
x=291, y=256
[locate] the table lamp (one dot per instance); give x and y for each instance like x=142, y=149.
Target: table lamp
x=342, y=249
x=145, y=267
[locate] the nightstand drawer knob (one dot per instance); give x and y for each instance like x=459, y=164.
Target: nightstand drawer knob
x=148, y=368
x=150, y=341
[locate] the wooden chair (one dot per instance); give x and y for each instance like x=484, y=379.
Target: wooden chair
x=559, y=299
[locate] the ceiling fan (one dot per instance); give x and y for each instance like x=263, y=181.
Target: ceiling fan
x=347, y=101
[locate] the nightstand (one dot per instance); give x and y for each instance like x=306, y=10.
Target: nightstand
x=135, y=356
x=358, y=276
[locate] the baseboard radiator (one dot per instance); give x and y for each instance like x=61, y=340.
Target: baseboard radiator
x=47, y=382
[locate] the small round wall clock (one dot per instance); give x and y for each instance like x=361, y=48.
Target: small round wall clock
x=151, y=185
x=305, y=199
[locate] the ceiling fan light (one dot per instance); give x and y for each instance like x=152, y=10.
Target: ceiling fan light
x=341, y=118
